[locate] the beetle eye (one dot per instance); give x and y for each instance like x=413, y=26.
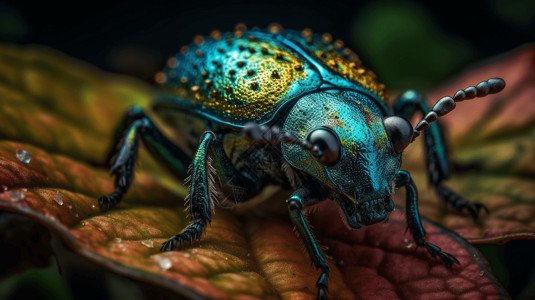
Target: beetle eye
x=399, y=131
x=328, y=143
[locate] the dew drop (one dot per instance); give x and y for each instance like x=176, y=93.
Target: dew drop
x=70, y=206
x=118, y=240
x=187, y=255
x=84, y=223
x=77, y=215
x=93, y=206
x=481, y=273
x=58, y=199
x=23, y=155
x=194, y=251
x=248, y=254
x=409, y=245
x=148, y=243
x=226, y=258
x=4, y=188
x=17, y=196
x=164, y=263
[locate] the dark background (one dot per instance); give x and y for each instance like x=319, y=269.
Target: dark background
x=409, y=44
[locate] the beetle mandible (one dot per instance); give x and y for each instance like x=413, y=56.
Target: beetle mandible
x=294, y=109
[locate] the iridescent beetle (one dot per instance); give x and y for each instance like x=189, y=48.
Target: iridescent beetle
x=289, y=108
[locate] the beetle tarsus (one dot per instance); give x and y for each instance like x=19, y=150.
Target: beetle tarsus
x=191, y=233
x=435, y=251
x=473, y=208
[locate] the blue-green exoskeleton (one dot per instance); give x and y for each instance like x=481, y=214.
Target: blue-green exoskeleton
x=295, y=109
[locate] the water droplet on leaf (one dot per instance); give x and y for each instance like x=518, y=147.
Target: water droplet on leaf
x=23, y=155
x=118, y=240
x=58, y=199
x=481, y=273
x=17, y=195
x=164, y=263
x=148, y=243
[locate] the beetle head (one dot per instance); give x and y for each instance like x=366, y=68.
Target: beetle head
x=354, y=155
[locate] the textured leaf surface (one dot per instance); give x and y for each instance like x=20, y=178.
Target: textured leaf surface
x=496, y=135
x=239, y=257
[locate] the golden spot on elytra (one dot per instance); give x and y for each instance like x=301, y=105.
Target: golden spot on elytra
x=198, y=40
x=252, y=50
x=339, y=43
x=326, y=38
x=208, y=82
x=229, y=42
x=254, y=85
x=252, y=38
x=195, y=88
x=275, y=74
x=184, y=49
x=215, y=34
x=250, y=72
x=265, y=50
x=184, y=81
x=241, y=47
x=240, y=64
x=219, y=49
x=240, y=27
x=298, y=67
x=307, y=32
x=160, y=78
x=232, y=72
x=275, y=28
x=172, y=63
x=204, y=74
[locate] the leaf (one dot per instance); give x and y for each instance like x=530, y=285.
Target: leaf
x=496, y=134
x=251, y=256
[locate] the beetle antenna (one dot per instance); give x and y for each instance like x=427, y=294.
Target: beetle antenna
x=447, y=104
x=263, y=134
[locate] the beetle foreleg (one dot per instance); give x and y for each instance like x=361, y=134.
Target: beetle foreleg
x=414, y=222
x=136, y=125
x=438, y=168
x=306, y=195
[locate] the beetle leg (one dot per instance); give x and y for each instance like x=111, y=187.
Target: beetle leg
x=137, y=125
x=414, y=222
x=201, y=195
x=306, y=195
x=438, y=168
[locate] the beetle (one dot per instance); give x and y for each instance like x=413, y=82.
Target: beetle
x=258, y=107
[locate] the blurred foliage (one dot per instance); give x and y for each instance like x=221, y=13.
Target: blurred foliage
x=402, y=43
